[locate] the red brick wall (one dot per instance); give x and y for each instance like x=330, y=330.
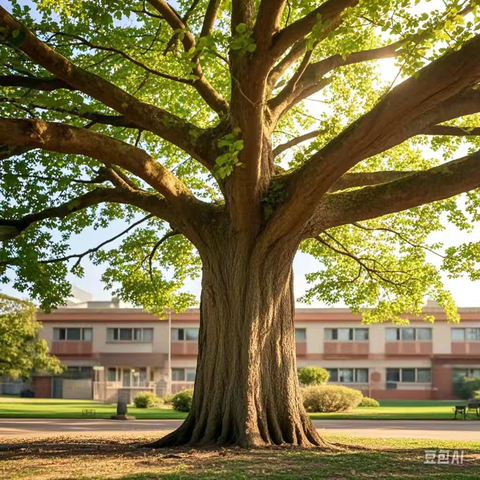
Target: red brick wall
x=402, y=394
x=408, y=348
x=185, y=348
x=42, y=386
x=301, y=348
x=442, y=380
x=346, y=348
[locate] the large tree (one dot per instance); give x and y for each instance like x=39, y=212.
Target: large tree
x=244, y=130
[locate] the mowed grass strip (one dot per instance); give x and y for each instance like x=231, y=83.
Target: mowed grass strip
x=15, y=407
x=77, y=458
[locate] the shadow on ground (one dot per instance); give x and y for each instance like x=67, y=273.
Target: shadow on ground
x=122, y=459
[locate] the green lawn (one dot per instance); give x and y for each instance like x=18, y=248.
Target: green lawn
x=14, y=407
x=346, y=458
x=399, y=410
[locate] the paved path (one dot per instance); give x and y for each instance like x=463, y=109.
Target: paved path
x=434, y=429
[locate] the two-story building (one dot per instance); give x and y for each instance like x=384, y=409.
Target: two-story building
x=107, y=348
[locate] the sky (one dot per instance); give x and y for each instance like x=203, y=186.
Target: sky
x=465, y=292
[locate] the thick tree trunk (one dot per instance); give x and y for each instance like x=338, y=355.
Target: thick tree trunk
x=246, y=390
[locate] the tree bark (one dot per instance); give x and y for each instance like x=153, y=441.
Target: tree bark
x=246, y=390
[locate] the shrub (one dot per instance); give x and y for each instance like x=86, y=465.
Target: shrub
x=182, y=401
x=330, y=398
x=313, y=376
x=168, y=398
x=476, y=395
x=368, y=402
x=466, y=387
x=147, y=400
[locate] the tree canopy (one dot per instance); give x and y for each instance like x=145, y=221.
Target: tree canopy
x=163, y=115
x=21, y=351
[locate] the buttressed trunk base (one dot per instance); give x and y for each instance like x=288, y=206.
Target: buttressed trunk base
x=246, y=390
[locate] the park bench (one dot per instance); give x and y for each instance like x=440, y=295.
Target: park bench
x=89, y=412
x=460, y=410
x=474, y=407
x=470, y=407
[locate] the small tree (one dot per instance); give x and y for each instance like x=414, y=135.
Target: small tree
x=467, y=387
x=313, y=376
x=21, y=351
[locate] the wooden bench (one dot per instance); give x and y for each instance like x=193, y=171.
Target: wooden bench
x=464, y=410
x=461, y=410
x=474, y=407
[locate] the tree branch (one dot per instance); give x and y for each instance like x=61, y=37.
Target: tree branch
x=409, y=107
x=419, y=188
x=34, y=83
x=450, y=130
x=214, y=100
x=140, y=64
x=113, y=120
x=295, y=141
x=268, y=22
x=155, y=248
x=399, y=235
x=10, y=229
x=210, y=16
x=329, y=11
x=80, y=256
x=58, y=137
x=362, y=179
x=309, y=78
x=362, y=261
x=150, y=117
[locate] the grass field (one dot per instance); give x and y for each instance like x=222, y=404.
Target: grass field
x=14, y=407
x=76, y=458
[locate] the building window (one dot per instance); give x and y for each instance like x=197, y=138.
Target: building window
x=300, y=334
x=393, y=374
x=460, y=373
x=473, y=334
x=185, y=334
x=130, y=334
x=361, y=334
x=183, y=374
x=112, y=374
x=73, y=334
x=409, y=375
x=346, y=334
x=458, y=334
x=348, y=375
x=361, y=375
x=424, y=334
x=131, y=377
x=465, y=334
x=424, y=375
x=333, y=374
x=408, y=334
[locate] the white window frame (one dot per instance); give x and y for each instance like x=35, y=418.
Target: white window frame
x=400, y=369
x=302, y=330
x=134, y=334
x=354, y=374
x=184, y=330
x=415, y=334
x=186, y=372
x=66, y=339
x=351, y=334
